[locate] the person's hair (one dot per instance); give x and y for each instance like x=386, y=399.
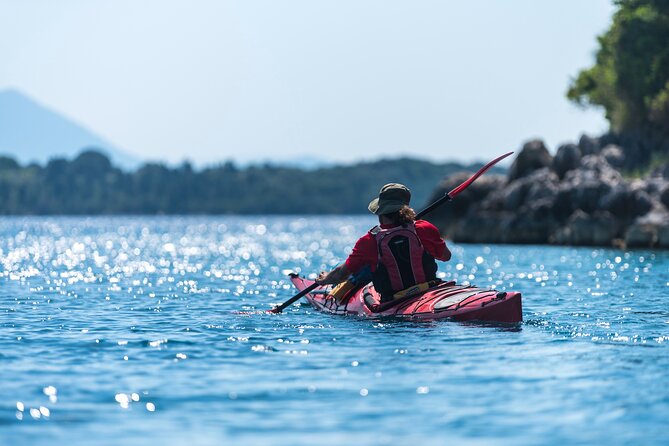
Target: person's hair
x=403, y=216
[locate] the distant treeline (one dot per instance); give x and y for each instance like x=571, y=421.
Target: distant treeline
x=90, y=184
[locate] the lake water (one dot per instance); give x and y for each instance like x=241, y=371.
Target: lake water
x=127, y=330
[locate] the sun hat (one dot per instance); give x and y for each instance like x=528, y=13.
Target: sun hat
x=392, y=197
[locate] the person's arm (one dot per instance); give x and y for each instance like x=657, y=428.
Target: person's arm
x=447, y=253
x=363, y=253
x=431, y=239
x=337, y=275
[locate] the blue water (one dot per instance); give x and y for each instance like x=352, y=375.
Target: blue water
x=127, y=330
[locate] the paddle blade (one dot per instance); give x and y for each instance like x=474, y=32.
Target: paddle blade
x=452, y=194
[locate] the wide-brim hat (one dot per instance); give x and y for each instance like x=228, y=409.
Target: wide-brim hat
x=392, y=198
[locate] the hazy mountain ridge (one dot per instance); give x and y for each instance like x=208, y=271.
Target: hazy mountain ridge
x=32, y=132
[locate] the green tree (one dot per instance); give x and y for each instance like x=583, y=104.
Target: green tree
x=630, y=77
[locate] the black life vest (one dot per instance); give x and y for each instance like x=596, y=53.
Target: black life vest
x=402, y=260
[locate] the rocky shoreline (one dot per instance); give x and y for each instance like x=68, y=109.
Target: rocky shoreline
x=577, y=197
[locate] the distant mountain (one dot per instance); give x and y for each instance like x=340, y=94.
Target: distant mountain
x=30, y=132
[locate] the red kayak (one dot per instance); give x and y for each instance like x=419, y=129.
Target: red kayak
x=445, y=300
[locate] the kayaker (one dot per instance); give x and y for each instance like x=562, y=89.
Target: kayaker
x=399, y=253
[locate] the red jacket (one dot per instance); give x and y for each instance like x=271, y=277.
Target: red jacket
x=365, y=251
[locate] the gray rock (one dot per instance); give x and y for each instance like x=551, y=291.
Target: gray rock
x=584, y=187
x=579, y=197
x=447, y=217
x=563, y=204
x=533, y=156
x=567, y=158
x=540, y=184
x=588, y=145
x=642, y=201
x=598, y=167
x=663, y=236
x=626, y=202
x=532, y=223
x=484, y=227
x=586, y=195
x=645, y=232
x=545, y=188
x=664, y=197
x=641, y=236
x=598, y=229
x=614, y=155
x=655, y=186
x=661, y=171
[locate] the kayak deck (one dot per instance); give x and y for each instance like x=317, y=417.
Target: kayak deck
x=447, y=300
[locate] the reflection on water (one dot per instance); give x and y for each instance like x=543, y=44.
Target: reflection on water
x=132, y=326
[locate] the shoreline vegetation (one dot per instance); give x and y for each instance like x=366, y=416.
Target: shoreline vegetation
x=90, y=185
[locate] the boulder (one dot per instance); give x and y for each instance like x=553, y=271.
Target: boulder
x=567, y=158
x=514, y=195
x=661, y=171
x=614, y=155
x=581, y=193
x=655, y=186
x=445, y=217
x=584, y=187
x=530, y=224
x=664, y=197
x=626, y=202
x=544, y=186
x=588, y=145
x=533, y=223
x=538, y=185
x=533, y=156
x=663, y=236
x=600, y=168
x=578, y=197
x=641, y=236
x=642, y=201
x=645, y=232
x=598, y=229
x=483, y=227
x=563, y=204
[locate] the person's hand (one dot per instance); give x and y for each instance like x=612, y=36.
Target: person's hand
x=321, y=278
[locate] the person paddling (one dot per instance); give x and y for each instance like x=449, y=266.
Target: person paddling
x=398, y=255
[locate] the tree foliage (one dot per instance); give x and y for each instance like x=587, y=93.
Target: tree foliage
x=630, y=77
x=90, y=184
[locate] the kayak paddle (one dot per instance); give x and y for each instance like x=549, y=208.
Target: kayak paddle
x=447, y=197
x=298, y=296
x=452, y=194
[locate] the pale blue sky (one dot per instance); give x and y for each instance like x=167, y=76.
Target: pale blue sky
x=211, y=80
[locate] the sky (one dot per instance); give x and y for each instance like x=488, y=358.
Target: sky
x=253, y=80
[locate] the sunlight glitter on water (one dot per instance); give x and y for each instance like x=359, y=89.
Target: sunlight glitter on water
x=100, y=313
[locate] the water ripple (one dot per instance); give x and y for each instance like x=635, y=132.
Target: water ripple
x=135, y=322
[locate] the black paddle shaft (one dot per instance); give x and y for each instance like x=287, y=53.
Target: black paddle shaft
x=433, y=206
x=296, y=297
